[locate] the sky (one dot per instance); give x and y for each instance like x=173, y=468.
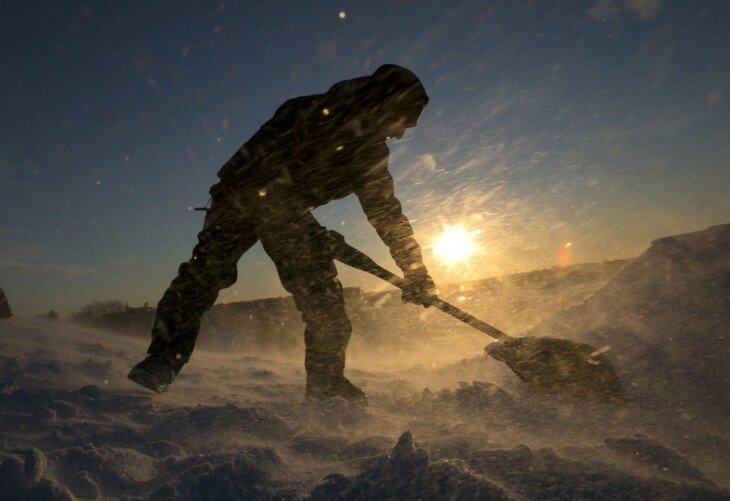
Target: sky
x=556, y=132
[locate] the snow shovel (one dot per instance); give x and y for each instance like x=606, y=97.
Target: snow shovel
x=547, y=365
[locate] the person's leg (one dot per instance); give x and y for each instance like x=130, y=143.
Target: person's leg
x=303, y=257
x=228, y=231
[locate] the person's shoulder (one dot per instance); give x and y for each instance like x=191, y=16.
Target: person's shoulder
x=284, y=119
x=349, y=87
x=297, y=105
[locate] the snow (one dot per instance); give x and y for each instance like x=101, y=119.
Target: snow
x=235, y=426
x=665, y=320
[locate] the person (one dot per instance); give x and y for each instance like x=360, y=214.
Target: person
x=5, y=311
x=315, y=149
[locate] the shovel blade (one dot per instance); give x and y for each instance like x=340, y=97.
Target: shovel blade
x=560, y=367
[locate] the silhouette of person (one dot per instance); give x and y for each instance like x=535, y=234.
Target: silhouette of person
x=314, y=150
x=5, y=311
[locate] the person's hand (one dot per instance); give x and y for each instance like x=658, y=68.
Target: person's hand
x=418, y=288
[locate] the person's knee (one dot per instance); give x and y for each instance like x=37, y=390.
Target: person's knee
x=207, y=272
x=327, y=324
x=227, y=275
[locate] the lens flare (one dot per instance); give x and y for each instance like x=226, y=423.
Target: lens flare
x=454, y=245
x=562, y=256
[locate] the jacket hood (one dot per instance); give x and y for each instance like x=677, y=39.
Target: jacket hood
x=392, y=91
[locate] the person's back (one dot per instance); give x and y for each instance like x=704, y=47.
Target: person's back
x=315, y=149
x=320, y=147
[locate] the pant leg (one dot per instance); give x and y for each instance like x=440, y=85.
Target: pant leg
x=228, y=232
x=303, y=258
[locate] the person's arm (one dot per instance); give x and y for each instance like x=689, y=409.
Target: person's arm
x=385, y=213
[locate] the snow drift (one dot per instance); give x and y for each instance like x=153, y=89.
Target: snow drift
x=664, y=321
x=235, y=426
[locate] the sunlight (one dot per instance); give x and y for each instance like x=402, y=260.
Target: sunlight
x=454, y=245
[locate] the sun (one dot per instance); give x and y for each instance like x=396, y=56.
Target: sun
x=454, y=245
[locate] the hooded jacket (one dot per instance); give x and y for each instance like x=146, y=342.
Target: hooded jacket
x=327, y=146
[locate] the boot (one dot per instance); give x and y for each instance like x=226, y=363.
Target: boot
x=339, y=387
x=156, y=372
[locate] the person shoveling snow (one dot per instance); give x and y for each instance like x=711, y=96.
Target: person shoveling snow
x=314, y=150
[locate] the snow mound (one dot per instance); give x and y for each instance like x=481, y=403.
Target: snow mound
x=517, y=473
x=23, y=476
x=408, y=474
x=218, y=476
x=664, y=321
x=543, y=474
x=652, y=456
x=176, y=424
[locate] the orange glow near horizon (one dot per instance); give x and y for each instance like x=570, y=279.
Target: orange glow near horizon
x=562, y=256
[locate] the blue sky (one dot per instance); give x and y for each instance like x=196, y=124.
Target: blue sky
x=600, y=123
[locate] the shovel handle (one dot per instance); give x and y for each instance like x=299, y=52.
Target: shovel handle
x=350, y=256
